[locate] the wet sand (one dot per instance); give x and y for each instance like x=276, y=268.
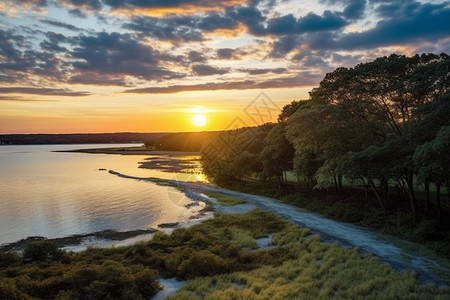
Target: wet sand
x=131, y=151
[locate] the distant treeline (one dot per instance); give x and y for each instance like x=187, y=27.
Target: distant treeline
x=182, y=141
x=80, y=138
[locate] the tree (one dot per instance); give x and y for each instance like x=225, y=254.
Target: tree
x=381, y=97
x=277, y=154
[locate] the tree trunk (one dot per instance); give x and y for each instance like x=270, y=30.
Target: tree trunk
x=335, y=184
x=377, y=195
x=427, y=196
x=438, y=202
x=411, y=197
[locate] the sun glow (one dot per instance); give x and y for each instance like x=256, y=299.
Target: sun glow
x=199, y=120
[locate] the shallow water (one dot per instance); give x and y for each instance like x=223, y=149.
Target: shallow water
x=56, y=194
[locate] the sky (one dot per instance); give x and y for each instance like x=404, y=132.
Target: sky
x=79, y=66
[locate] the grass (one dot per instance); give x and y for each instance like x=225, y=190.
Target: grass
x=220, y=259
x=355, y=208
x=312, y=270
x=226, y=200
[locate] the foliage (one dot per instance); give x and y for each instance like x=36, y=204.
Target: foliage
x=226, y=200
x=381, y=123
x=41, y=250
x=314, y=271
x=220, y=258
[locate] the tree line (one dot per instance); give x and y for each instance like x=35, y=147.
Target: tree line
x=381, y=127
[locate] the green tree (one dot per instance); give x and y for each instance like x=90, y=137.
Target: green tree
x=277, y=155
x=381, y=96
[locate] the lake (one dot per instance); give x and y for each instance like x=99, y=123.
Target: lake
x=57, y=194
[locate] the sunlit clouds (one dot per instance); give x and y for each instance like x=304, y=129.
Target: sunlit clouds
x=154, y=55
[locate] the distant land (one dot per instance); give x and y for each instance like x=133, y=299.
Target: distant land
x=79, y=138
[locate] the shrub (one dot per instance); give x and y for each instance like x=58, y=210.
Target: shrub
x=8, y=259
x=42, y=250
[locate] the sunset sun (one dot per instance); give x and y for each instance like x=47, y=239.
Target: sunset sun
x=199, y=120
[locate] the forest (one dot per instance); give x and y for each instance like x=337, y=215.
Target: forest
x=377, y=134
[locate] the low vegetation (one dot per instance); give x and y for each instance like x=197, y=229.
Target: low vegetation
x=226, y=200
x=220, y=259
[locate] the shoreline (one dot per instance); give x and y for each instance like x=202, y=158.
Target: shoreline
x=129, y=151
x=112, y=237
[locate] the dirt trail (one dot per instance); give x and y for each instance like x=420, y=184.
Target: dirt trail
x=429, y=270
x=402, y=255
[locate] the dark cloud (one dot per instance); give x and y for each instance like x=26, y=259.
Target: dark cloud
x=96, y=79
x=21, y=99
x=413, y=22
x=76, y=12
x=117, y=4
x=355, y=9
x=52, y=45
x=264, y=71
x=226, y=53
x=18, y=63
x=175, y=29
x=216, y=21
x=120, y=54
x=196, y=57
x=284, y=45
x=38, y=3
x=328, y=21
x=94, y=5
x=42, y=91
x=283, y=25
x=206, y=70
x=301, y=79
x=250, y=16
x=288, y=24
x=60, y=24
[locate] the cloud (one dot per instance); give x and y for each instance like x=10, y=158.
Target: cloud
x=413, y=23
x=196, y=57
x=301, y=79
x=284, y=45
x=93, y=5
x=96, y=79
x=264, y=71
x=117, y=54
x=60, y=24
x=18, y=63
x=158, y=7
x=22, y=99
x=355, y=9
x=175, y=29
x=43, y=91
x=206, y=70
x=226, y=53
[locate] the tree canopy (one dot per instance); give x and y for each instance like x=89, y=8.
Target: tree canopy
x=383, y=123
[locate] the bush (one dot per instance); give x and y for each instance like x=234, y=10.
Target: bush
x=42, y=250
x=8, y=259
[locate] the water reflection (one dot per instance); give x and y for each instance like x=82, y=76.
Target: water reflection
x=58, y=194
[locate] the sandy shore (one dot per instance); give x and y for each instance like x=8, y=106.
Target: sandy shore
x=131, y=151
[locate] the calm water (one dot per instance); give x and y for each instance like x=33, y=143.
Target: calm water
x=44, y=193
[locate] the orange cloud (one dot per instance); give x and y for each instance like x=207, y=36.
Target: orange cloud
x=229, y=33
x=182, y=8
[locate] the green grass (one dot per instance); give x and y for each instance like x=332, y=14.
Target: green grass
x=220, y=259
x=355, y=208
x=226, y=200
x=312, y=270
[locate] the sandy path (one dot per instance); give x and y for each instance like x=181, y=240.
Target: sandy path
x=428, y=269
x=435, y=270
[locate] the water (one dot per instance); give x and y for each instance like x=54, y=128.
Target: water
x=57, y=194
